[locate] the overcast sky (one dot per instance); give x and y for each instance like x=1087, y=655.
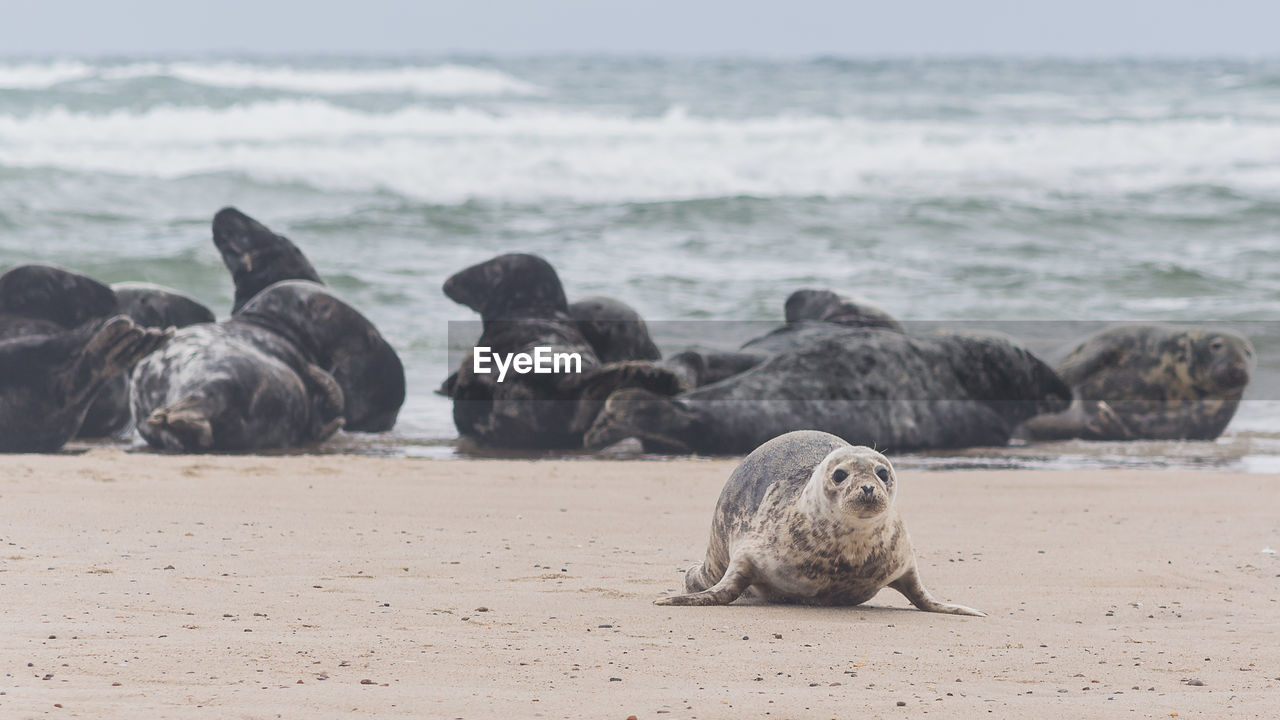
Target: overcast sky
x=710, y=27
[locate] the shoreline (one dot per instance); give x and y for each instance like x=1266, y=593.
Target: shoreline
x=252, y=586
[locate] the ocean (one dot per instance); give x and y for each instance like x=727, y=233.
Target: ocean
x=944, y=190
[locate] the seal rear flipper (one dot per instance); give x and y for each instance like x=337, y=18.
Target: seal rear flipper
x=182, y=426
x=256, y=256
x=737, y=578
x=594, y=389
x=909, y=585
x=654, y=419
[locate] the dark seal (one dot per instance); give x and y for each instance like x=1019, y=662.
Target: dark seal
x=151, y=306
x=1150, y=381
x=49, y=379
x=522, y=307
x=880, y=388
x=265, y=378
x=808, y=518
x=346, y=343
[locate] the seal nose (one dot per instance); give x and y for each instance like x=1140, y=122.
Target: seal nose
x=868, y=490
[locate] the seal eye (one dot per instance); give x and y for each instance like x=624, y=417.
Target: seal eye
x=838, y=476
x=882, y=472
x=1217, y=344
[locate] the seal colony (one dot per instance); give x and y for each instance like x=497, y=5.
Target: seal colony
x=808, y=518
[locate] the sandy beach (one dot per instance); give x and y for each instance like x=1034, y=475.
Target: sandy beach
x=139, y=585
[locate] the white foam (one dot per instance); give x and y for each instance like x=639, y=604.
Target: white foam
x=444, y=80
x=35, y=76
x=530, y=154
x=447, y=80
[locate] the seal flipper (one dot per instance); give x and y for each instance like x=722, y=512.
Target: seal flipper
x=737, y=578
x=330, y=403
x=1089, y=419
x=256, y=256
x=909, y=585
x=182, y=426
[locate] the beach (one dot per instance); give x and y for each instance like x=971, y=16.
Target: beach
x=142, y=585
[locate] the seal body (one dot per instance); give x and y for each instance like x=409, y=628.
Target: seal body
x=523, y=307
x=810, y=314
x=282, y=372
x=151, y=306
x=878, y=387
x=48, y=380
x=1150, y=381
x=809, y=518
x=342, y=340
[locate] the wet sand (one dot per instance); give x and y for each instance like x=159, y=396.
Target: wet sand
x=138, y=585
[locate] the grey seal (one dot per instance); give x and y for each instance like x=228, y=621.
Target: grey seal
x=151, y=306
x=48, y=380
x=361, y=360
x=875, y=386
x=808, y=518
x=262, y=379
x=1150, y=381
x=522, y=307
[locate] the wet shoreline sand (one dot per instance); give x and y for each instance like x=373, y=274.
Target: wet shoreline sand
x=263, y=586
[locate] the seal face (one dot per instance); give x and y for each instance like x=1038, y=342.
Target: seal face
x=1150, y=381
x=255, y=256
x=808, y=518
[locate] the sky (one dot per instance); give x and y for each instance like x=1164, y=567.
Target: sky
x=1088, y=28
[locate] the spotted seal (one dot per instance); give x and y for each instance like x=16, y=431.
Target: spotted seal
x=1150, y=381
x=808, y=518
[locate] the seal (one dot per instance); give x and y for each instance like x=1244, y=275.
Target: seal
x=255, y=256
x=262, y=378
x=809, y=314
x=522, y=306
x=1150, y=381
x=878, y=387
x=151, y=306
x=362, y=362
x=48, y=380
x=808, y=518
x=614, y=329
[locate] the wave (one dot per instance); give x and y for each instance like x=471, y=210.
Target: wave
x=529, y=154
x=448, y=80
x=36, y=76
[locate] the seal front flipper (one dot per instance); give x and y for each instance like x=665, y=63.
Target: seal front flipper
x=328, y=398
x=256, y=256
x=909, y=585
x=737, y=578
